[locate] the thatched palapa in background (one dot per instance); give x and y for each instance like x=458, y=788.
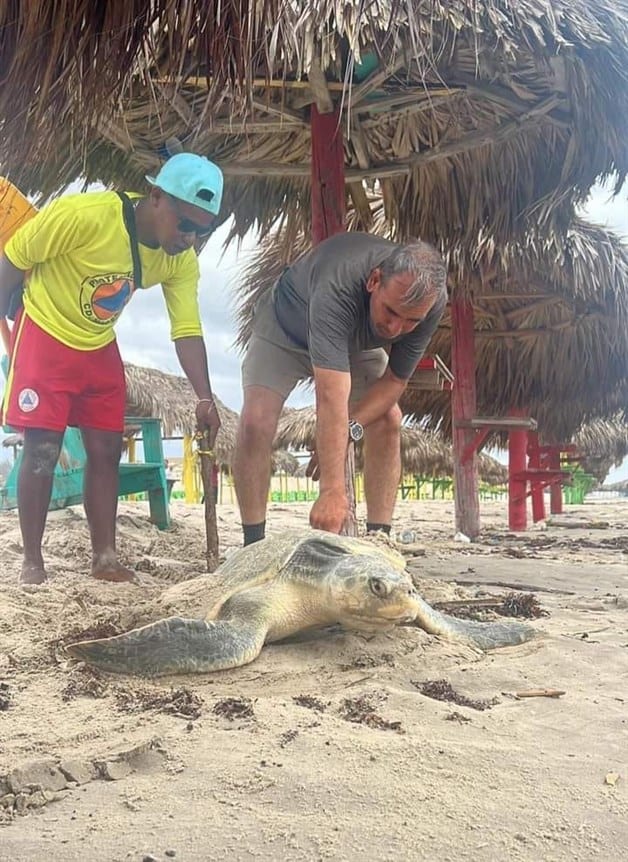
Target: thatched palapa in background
x=423, y=452
x=170, y=398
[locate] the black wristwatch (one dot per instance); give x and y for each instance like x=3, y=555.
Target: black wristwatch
x=356, y=431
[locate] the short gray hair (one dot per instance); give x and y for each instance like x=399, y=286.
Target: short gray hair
x=425, y=263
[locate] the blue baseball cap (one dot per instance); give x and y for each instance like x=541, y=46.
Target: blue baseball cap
x=193, y=179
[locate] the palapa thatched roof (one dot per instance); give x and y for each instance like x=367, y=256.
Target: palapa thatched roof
x=169, y=397
x=472, y=116
x=622, y=487
x=423, y=452
x=285, y=462
x=602, y=444
x=551, y=319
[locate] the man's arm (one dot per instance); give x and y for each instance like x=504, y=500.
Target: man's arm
x=193, y=358
x=379, y=398
x=329, y=512
x=10, y=279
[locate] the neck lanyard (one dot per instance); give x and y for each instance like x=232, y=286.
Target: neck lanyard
x=128, y=214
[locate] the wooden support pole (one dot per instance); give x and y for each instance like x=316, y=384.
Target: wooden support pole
x=537, y=489
x=466, y=498
x=328, y=218
x=517, y=483
x=556, y=489
x=328, y=177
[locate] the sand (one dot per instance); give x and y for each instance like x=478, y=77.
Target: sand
x=325, y=748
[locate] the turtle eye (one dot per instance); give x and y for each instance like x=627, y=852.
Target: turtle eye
x=378, y=587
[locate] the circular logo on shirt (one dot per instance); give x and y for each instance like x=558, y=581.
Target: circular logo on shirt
x=28, y=400
x=102, y=299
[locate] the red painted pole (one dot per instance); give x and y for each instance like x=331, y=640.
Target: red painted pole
x=517, y=486
x=463, y=406
x=537, y=489
x=328, y=175
x=556, y=489
x=328, y=218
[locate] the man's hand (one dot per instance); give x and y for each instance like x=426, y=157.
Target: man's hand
x=208, y=420
x=330, y=511
x=312, y=470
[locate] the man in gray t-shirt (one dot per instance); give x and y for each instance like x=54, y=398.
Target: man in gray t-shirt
x=356, y=313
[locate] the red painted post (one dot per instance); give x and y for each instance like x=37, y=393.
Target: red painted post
x=517, y=487
x=328, y=175
x=537, y=488
x=328, y=218
x=463, y=406
x=556, y=489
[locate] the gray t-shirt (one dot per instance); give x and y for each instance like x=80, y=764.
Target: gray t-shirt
x=322, y=304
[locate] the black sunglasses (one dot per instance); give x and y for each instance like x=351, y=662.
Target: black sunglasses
x=184, y=225
x=187, y=226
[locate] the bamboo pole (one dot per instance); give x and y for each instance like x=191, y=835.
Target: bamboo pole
x=207, y=462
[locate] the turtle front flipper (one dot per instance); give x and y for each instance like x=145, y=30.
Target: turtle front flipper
x=486, y=636
x=174, y=645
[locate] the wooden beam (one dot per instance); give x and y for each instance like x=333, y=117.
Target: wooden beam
x=407, y=99
x=463, y=408
x=320, y=90
x=261, y=83
x=277, y=110
x=359, y=91
x=472, y=141
x=281, y=124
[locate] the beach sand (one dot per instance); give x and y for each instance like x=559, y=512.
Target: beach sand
x=325, y=748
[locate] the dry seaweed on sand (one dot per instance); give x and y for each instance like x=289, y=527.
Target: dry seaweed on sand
x=441, y=689
x=511, y=604
x=309, y=702
x=5, y=696
x=360, y=710
x=180, y=702
x=234, y=707
x=84, y=682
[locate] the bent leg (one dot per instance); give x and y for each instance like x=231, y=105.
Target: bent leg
x=100, y=498
x=382, y=466
x=252, y=458
x=270, y=371
x=34, y=488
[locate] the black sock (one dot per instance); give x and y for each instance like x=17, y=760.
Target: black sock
x=375, y=528
x=253, y=532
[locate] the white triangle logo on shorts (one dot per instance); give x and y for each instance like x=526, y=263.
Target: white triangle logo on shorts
x=28, y=400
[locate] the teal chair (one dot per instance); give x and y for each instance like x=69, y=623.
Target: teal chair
x=67, y=486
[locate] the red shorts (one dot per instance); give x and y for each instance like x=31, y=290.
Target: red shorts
x=51, y=386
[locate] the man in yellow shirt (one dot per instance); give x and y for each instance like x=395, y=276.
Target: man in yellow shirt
x=80, y=260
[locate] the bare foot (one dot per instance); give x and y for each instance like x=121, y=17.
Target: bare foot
x=114, y=572
x=32, y=574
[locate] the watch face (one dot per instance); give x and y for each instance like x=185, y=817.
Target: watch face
x=356, y=431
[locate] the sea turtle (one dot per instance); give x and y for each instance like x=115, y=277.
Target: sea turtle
x=282, y=585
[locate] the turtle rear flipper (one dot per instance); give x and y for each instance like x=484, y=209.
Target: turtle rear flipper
x=174, y=645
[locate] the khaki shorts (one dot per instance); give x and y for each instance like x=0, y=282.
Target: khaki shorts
x=274, y=361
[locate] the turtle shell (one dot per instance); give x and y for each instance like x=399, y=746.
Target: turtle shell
x=296, y=555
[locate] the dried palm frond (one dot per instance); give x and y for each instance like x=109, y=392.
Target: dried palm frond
x=470, y=116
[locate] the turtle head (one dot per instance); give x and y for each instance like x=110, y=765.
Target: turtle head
x=365, y=589
x=371, y=594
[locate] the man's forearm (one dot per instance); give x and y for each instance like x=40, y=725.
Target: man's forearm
x=332, y=427
x=379, y=399
x=193, y=358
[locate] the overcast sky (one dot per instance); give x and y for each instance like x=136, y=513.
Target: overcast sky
x=143, y=330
